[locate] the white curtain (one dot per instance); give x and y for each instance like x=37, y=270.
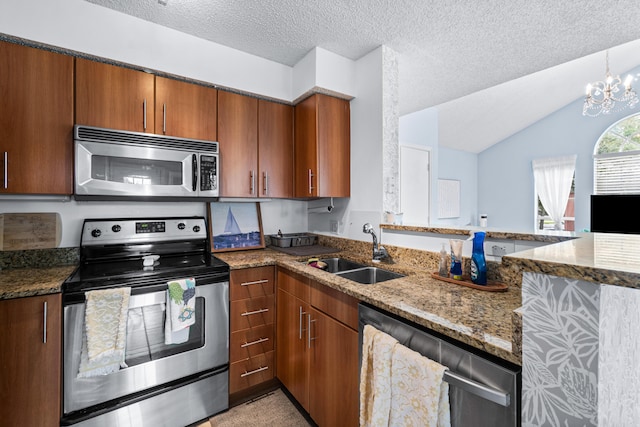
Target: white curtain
x=553, y=177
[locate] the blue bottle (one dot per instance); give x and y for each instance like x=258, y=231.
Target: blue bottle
x=478, y=262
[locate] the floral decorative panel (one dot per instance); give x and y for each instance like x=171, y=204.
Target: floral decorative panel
x=560, y=351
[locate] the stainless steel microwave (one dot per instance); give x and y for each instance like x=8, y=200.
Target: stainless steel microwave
x=120, y=165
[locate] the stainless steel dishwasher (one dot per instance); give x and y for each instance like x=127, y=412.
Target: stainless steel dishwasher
x=482, y=392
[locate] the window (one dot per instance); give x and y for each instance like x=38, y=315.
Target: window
x=554, y=180
x=616, y=165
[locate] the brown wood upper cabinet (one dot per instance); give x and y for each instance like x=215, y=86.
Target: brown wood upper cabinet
x=115, y=97
x=322, y=147
x=36, y=121
x=256, y=147
x=185, y=110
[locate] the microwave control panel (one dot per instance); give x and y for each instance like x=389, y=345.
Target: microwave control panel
x=208, y=173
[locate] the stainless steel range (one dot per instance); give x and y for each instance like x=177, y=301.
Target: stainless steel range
x=162, y=384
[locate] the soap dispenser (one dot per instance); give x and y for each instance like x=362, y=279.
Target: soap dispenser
x=443, y=270
x=478, y=261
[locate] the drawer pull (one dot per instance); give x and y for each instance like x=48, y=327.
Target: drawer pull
x=258, y=341
x=257, y=282
x=246, y=374
x=249, y=313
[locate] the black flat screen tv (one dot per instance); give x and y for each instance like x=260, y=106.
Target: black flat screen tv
x=615, y=213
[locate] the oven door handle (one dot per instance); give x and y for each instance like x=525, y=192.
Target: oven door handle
x=481, y=390
x=152, y=298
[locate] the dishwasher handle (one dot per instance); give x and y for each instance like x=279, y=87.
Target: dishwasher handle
x=481, y=390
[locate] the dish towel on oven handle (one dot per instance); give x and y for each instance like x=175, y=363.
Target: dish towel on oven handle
x=105, y=332
x=181, y=310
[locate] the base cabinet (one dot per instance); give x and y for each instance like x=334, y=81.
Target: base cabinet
x=30, y=360
x=252, y=327
x=317, y=355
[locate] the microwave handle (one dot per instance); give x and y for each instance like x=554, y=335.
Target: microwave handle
x=195, y=172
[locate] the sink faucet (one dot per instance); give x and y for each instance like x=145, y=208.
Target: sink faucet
x=379, y=252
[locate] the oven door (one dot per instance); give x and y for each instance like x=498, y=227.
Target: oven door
x=119, y=170
x=150, y=362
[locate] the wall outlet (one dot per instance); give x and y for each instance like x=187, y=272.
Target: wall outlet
x=333, y=226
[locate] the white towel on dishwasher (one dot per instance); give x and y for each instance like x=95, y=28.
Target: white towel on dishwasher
x=375, y=377
x=419, y=396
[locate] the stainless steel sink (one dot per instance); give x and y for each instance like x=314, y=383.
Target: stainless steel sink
x=369, y=275
x=357, y=272
x=336, y=265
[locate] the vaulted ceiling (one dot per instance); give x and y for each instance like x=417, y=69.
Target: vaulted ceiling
x=490, y=68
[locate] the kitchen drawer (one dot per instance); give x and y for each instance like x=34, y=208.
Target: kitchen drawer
x=249, y=343
x=249, y=313
x=294, y=283
x=249, y=372
x=336, y=304
x=252, y=282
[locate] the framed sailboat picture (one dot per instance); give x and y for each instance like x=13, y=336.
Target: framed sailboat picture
x=235, y=226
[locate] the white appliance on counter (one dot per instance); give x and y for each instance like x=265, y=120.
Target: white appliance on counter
x=121, y=165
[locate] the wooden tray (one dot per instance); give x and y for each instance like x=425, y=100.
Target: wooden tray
x=491, y=286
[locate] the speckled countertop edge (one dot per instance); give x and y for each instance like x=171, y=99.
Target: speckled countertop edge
x=480, y=319
x=549, y=236
x=31, y=281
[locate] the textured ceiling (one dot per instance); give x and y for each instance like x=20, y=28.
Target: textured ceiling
x=447, y=49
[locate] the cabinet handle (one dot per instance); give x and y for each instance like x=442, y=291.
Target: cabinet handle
x=310, y=181
x=309, y=339
x=258, y=341
x=249, y=313
x=246, y=374
x=6, y=170
x=265, y=183
x=300, y=327
x=164, y=118
x=44, y=322
x=257, y=282
x=144, y=114
x=252, y=183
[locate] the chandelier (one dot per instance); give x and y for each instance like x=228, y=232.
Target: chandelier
x=605, y=97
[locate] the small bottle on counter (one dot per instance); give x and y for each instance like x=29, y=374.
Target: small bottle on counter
x=443, y=270
x=478, y=262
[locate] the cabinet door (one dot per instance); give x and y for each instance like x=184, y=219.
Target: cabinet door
x=334, y=148
x=322, y=147
x=36, y=121
x=185, y=110
x=238, y=137
x=114, y=97
x=30, y=364
x=306, y=155
x=292, y=362
x=333, y=372
x=275, y=149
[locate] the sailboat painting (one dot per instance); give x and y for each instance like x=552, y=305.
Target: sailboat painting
x=235, y=226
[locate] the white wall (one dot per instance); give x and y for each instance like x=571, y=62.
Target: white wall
x=365, y=203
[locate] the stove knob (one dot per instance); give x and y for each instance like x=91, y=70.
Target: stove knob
x=181, y=226
x=116, y=228
x=96, y=233
x=196, y=228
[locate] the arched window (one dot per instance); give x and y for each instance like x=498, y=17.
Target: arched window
x=616, y=158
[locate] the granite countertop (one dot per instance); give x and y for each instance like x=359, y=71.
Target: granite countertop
x=608, y=258
x=25, y=282
x=478, y=318
x=549, y=236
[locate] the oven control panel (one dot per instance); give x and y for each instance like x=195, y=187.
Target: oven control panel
x=122, y=231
